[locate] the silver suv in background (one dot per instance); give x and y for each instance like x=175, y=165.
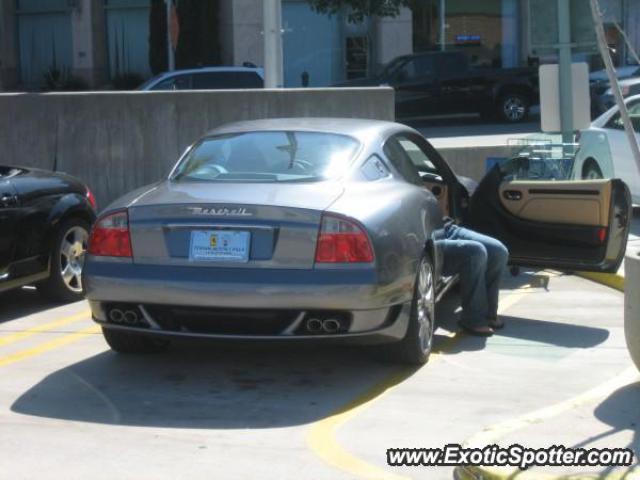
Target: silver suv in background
x=207, y=78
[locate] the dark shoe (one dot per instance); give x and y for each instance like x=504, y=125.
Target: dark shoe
x=496, y=323
x=476, y=331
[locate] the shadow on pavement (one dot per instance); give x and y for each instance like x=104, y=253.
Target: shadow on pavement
x=552, y=333
x=21, y=302
x=619, y=411
x=209, y=386
x=212, y=385
x=206, y=386
x=542, y=331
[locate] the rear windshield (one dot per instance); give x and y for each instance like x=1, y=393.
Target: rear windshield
x=268, y=157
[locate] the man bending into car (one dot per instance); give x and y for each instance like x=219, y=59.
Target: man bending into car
x=480, y=261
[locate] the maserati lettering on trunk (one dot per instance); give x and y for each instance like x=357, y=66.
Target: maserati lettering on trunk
x=220, y=212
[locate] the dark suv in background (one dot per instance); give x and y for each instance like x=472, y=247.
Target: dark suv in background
x=443, y=83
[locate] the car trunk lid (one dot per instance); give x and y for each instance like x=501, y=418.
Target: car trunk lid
x=254, y=225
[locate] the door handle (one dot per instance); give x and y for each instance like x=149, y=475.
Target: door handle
x=622, y=220
x=512, y=195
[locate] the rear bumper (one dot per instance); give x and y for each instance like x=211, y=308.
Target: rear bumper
x=368, y=328
x=376, y=314
x=335, y=289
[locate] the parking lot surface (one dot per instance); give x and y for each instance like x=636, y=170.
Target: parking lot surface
x=559, y=373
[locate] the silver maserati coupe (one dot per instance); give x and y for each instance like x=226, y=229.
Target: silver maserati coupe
x=323, y=230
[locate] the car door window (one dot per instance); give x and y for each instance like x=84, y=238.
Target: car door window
x=178, y=82
x=214, y=81
x=397, y=151
x=451, y=66
x=418, y=68
x=248, y=80
x=634, y=114
x=540, y=163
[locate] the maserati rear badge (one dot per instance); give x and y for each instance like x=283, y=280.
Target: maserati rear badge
x=220, y=212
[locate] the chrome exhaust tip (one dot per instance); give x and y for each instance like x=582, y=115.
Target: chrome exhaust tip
x=314, y=325
x=130, y=317
x=116, y=315
x=331, y=325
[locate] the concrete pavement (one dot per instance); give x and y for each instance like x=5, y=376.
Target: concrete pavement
x=72, y=409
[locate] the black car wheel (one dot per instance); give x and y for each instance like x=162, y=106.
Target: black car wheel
x=513, y=107
x=591, y=170
x=66, y=261
x=416, y=345
x=128, y=342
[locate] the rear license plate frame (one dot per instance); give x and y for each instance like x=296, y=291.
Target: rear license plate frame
x=219, y=245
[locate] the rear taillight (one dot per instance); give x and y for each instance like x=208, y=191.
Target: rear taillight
x=110, y=236
x=92, y=199
x=342, y=241
x=602, y=234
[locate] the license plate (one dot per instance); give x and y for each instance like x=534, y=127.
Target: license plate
x=219, y=246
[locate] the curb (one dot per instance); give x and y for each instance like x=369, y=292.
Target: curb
x=613, y=280
x=469, y=472
x=481, y=473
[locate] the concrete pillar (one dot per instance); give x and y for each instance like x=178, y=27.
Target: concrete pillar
x=632, y=303
x=632, y=25
x=241, y=31
x=393, y=36
x=88, y=31
x=8, y=45
x=225, y=25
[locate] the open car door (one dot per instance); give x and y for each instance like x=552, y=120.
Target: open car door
x=550, y=223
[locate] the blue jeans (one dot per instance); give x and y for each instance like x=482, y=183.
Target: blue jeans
x=480, y=261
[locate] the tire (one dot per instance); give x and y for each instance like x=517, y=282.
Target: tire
x=591, y=170
x=415, y=347
x=66, y=261
x=127, y=342
x=513, y=107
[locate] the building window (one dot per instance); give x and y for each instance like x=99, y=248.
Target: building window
x=487, y=31
x=44, y=42
x=357, y=57
x=128, y=37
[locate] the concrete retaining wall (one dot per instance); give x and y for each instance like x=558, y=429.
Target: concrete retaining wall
x=471, y=161
x=118, y=141
x=632, y=303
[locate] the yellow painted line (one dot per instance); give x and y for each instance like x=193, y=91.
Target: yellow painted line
x=612, y=280
x=492, y=434
x=476, y=473
x=321, y=438
x=48, y=346
x=14, y=337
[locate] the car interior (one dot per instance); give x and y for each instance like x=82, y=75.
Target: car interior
x=529, y=203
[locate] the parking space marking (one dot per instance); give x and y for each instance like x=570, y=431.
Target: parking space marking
x=48, y=346
x=321, y=438
x=14, y=337
x=492, y=434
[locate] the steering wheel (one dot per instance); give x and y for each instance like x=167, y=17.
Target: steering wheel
x=431, y=177
x=211, y=169
x=303, y=165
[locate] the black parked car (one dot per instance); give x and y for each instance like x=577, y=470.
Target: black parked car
x=443, y=83
x=45, y=218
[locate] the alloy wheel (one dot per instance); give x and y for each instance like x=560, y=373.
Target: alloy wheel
x=425, y=305
x=514, y=108
x=71, y=259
